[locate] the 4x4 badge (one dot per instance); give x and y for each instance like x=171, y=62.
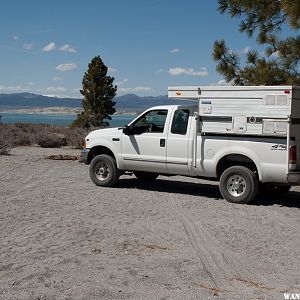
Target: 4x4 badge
x=278, y=147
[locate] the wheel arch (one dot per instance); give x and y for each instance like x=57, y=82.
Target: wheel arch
x=97, y=150
x=236, y=159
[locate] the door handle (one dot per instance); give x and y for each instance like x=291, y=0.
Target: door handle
x=162, y=142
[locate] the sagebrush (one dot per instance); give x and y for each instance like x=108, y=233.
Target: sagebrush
x=50, y=136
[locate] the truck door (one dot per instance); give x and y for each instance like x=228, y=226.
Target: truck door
x=179, y=142
x=144, y=148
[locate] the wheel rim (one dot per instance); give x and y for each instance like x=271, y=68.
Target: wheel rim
x=102, y=171
x=236, y=185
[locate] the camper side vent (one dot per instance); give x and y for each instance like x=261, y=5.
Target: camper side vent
x=276, y=100
x=281, y=100
x=270, y=99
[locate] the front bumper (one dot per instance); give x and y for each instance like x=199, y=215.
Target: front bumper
x=84, y=155
x=294, y=178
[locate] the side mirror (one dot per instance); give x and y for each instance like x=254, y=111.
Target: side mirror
x=127, y=130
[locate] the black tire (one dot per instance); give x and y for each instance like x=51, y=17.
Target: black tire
x=104, y=171
x=145, y=176
x=238, y=184
x=270, y=189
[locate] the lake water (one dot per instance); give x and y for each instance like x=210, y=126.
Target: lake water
x=57, y=119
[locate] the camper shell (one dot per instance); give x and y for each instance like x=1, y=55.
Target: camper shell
x=248, y=111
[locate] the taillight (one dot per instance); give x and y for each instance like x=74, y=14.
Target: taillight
x=293, y=155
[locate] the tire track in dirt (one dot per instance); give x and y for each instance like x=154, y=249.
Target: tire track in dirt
x=224, y=269
x=206, y=257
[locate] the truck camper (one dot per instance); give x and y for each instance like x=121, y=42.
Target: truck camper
x=246, y=137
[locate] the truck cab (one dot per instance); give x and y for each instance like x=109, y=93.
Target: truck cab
x=157, y=141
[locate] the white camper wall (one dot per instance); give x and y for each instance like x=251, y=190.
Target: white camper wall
x=241, y=92
x=254, y=110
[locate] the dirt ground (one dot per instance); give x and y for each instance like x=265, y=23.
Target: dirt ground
x=61, y=237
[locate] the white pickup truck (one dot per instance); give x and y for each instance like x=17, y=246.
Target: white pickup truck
x=245, y=137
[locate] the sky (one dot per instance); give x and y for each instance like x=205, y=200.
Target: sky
x=148, y=45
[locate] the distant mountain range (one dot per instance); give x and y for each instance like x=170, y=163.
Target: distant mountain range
x=129, y=102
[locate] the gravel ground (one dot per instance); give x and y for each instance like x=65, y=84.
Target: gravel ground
x=62, y=237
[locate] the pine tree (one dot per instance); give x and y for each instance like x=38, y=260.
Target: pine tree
x=98, y=92
x=280, y=62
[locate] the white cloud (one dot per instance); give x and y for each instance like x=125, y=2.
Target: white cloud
x=28, y=46
x=56, y=95
x=76, y=93
x=11, y=88
x=175, y=50
x=50, y=47
x=138, y=89
x=57, y=78
x=77, y=90
x=245, y=50
x=66, y=67
x=188, y=71
x=67, y=48
x=111, y=70
x=52, y=89
x=262, y=53
x=15, y=38
x=122, y=81
x=25, y=87
x=275, y=54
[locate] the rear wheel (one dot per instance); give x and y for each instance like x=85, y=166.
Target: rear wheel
x=103, y=170
x=145, y=176
x=238, y=184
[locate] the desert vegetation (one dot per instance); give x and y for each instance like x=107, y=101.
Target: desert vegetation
x=47, y=136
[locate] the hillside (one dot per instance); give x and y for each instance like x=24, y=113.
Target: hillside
x=129, y=102
x=28, y=100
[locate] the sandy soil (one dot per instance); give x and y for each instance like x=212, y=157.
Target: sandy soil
x=61, y=237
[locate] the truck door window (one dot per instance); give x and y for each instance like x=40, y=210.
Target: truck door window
x=180, y=121
x=152, y=121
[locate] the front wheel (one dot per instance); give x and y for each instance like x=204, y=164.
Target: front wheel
x=238, y=184
x=103, y=170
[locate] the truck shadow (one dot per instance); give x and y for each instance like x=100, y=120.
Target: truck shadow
x=206, y=190
x=292, y=199
x=173, y=186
